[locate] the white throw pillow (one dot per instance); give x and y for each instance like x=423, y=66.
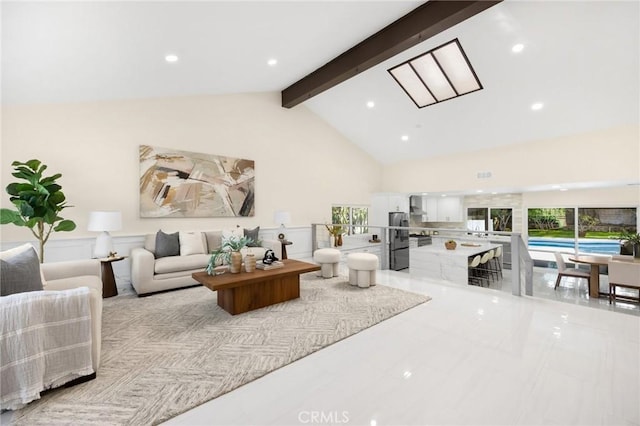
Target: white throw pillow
x=228, y=233
x=192, y=243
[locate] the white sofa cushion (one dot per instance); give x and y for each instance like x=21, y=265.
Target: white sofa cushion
x=192, y=243
x=168, y=264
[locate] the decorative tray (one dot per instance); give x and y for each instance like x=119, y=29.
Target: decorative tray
x=470, y=245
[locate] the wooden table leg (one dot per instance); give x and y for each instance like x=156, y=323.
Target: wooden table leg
x=594, y=282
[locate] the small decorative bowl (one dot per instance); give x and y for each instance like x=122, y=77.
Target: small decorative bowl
x=450, y=245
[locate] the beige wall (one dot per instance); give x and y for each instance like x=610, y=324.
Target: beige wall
x=626, y=196
x=302, y=164
x=611, y=155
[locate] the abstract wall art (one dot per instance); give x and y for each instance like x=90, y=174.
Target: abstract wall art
x=177, y=183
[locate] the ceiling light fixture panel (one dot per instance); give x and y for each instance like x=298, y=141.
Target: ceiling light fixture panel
x=437, y=75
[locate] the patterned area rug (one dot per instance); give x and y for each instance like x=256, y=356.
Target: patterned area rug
x=167, y=353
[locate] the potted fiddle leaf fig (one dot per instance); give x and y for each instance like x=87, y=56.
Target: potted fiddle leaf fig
x=38, y=201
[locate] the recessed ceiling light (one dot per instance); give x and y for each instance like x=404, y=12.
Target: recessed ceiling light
x=517, y=48
x=171, y=58
x=404, y=138
x=555, y=186
x=563, y=189
x=443, y=195
x=537, y=106
x=272, y=62
x=479, y=191
x=494, y=193
x=371, y=104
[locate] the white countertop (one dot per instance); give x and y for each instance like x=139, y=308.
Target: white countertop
x=460, y=250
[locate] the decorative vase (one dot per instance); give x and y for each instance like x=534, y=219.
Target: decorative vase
x=450, y=245
x=250, y=262
x=236, y=262
x=339, y=240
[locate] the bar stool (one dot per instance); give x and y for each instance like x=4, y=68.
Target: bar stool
x=483, y=268
x=474, y=275
x=495, y=264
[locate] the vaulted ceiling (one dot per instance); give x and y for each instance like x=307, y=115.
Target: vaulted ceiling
x=579, y=59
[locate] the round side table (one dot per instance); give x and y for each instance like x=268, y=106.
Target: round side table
x=109, y=288
x=285, y=243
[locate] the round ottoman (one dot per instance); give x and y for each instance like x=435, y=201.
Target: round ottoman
x=362, y=269
x=329, y=260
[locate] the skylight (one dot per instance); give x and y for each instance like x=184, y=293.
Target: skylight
x=437, y=75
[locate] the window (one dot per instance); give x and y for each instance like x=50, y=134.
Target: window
x=356, y=217
x=585, y=230
x=478, y=219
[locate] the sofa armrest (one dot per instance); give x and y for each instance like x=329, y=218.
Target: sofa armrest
x=142, y=266
x=274, y=245
x=68, y=269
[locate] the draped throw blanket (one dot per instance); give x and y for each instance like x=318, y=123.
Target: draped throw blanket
x=45, y=342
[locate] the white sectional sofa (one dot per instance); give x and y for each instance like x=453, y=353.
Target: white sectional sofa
x=150, y=274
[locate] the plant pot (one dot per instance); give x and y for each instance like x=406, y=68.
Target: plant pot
x=235, y=265
x=339, y=240
x=250, y=262
x=450, y=245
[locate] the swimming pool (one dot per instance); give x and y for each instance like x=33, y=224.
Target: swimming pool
x=587, y=246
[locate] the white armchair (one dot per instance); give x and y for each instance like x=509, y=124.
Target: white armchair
x=79, y=273
x=51, y=324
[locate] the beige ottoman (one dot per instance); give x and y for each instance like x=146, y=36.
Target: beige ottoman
x=329, y=260
x=362, y=269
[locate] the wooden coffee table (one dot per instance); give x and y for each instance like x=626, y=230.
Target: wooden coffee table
x=246, y=291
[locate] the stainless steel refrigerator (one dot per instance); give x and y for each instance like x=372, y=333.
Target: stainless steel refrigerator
x=398, y=241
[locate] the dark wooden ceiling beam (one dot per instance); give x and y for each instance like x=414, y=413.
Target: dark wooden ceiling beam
x=424, y=22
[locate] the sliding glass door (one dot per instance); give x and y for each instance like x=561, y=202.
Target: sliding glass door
x=581, y=230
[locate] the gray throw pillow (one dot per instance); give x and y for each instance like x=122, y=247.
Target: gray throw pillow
x=253, y=234
x=20, y=273
x=167, y=244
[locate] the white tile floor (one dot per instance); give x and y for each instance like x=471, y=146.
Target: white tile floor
x=470, y=356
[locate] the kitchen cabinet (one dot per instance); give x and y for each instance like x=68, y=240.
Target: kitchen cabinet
x=430, y=209
x=424, y=209
x=449, y=209
x=383, y=203
x=398, y=203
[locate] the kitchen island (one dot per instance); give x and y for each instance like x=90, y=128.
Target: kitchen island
x=435, y=261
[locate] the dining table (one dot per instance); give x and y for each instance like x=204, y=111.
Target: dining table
x=595, y=261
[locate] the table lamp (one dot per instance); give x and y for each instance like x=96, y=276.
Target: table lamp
x=104, y=222
x=283, y=218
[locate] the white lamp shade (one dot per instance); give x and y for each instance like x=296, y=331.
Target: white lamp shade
x=281, y=217
x=105, y=221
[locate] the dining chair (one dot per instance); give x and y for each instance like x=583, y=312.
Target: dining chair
x=623, y=274
x=622, y=257
x=563, y=271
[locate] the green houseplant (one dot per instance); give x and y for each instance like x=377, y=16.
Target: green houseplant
x=228, y=253
x=630, y=243
x=38, y=201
